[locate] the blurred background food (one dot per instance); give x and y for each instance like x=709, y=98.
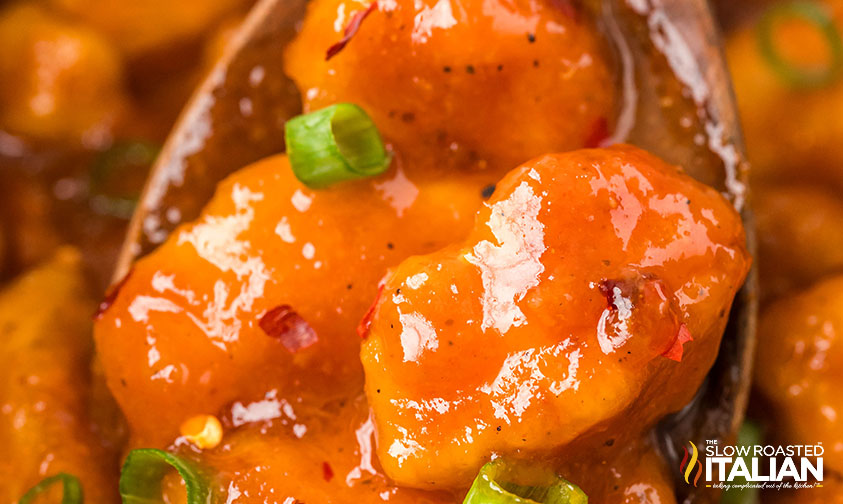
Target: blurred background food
x=45, y=344
x=786, y=60
x=89, y=90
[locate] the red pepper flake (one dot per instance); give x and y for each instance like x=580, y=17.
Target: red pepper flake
x=350, y=31
x=675, y=351
x=111, y=296
x=327, y=472
x=607, y=288
x=284, y=324
x=639, y=290
x=366, y=323
x=599, y=133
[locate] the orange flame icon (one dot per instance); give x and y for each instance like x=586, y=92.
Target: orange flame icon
x=688, y=466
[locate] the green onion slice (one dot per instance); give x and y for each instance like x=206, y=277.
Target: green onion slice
x=335, y=144
x=71, y=487
x=493, y=486
x=144, y=469
x=799, y=76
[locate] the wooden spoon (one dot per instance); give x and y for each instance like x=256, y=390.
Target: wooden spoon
x=677, y=103
x=236, y=116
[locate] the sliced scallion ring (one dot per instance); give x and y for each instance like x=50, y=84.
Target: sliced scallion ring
x=798, y=76
x=334, y=144
x=144, y=469
x=491, y=486
x=72, y=489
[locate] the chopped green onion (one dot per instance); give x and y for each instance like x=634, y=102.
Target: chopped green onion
x=144, y=469
x=815, y=14
x=748, y=435
x=492, y=486
x=72, y=489
x=335, y=144
x=116, y=173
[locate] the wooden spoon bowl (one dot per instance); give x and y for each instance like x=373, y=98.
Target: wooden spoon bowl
x=677, y=103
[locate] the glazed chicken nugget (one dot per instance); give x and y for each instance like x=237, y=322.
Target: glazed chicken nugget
x=798, y=367
x=265, y=290
x=490, y=83
x=587, y=278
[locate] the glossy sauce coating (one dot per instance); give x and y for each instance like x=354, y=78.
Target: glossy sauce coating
x=203, y=324
x=330, y=457
x=798, y=369
x=279, y=450
x=199, y=346
x=636, y=475
x=554, y=318
x=183, y=335
x=486, y=84
x=284, y=415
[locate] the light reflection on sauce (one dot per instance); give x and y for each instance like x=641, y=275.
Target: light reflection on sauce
x=511, y=268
